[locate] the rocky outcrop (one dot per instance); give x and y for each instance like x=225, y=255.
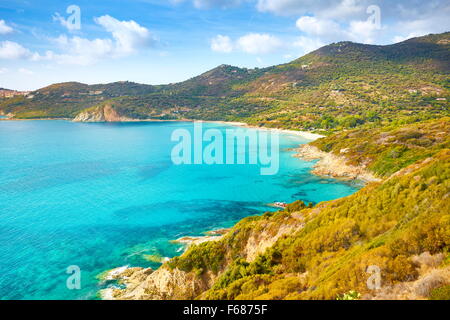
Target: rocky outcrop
x=101, y=114
x=162, y=284
x=334, y=166
x=167, y=283
x=431, y=276
x=213, y=235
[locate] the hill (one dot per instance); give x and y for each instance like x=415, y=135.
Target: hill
x=398, y=228
x=342, y=85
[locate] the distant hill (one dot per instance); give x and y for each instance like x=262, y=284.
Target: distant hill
x=342, y=85
x=8, y=93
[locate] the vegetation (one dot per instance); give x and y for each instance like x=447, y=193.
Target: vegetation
x=386, y=150
x=441, y=293
x=385, y=224
x=340, y=86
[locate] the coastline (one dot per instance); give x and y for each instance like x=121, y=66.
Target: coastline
x=304, y=134
x=330, y=165
x=131, y=277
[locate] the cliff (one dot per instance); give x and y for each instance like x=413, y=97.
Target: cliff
x=397, y=224
x=334, y=166
x=104, y=113
x=175, y=280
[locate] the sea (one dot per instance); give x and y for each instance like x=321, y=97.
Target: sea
x=97, y=196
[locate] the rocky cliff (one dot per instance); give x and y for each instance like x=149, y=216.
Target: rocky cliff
x=172, y=280
x=334, y=166
x=104, y=113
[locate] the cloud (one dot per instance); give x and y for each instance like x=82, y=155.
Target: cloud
x=127, y=38
x=325, y=8
x=422, y=25
x=327, y=30
x=12, y=50
x=257, y=43
x=308, y=45
x=362, y=31
x=4, y=28
x=252, y=43
x=81, y=51
x=222, y=44
x=317, y=27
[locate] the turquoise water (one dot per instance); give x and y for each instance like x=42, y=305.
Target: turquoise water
x=101, y=196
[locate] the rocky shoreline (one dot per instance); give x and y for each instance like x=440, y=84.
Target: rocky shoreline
x=334, y=166
x=175, y=284
x=213, y=235
x=167, y=283
x=136, y=280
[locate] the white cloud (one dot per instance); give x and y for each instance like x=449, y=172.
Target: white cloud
x=345, y=9
x=362, y=31
x=4, y=28
x=81, y=51
x=317, y=27
x=324, y=8
x=423, y=25
x=252, y=43
x=398, y=39
x=222, y=43
x=127, y=37
x=12, y=50
x=3, y=70
x=327, y=30
x=308, y=45
x=257, y=43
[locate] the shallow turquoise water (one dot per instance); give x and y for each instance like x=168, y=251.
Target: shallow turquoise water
x=101, y=196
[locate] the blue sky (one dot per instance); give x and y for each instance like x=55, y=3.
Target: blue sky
x=156, y=42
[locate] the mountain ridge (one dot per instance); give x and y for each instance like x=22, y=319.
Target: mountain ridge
x=331, y=88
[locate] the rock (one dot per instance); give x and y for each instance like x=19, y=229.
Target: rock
x=334, y=166
x=101, y=114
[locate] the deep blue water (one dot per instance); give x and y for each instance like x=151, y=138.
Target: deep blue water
x=101, y=196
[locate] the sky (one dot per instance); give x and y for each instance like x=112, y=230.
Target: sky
x=158, y=42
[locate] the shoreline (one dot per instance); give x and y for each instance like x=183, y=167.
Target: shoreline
x=333, y=166
x=128, y=275
x=304, y=134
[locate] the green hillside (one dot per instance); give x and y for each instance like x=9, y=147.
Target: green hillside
x=343, y=85
x=401, y=225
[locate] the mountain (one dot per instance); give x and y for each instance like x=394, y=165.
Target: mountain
x=342, y=85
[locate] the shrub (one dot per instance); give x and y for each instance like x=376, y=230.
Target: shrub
x=441, y=293
x=427, y=284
